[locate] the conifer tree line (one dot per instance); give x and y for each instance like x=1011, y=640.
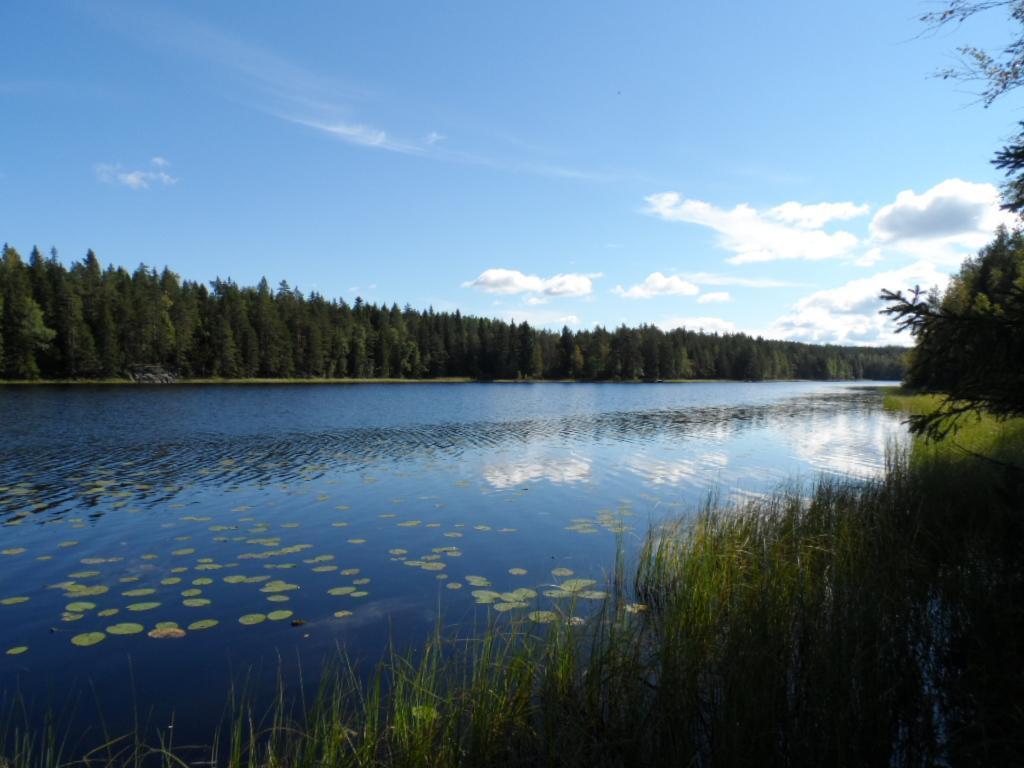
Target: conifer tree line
x=89, y=322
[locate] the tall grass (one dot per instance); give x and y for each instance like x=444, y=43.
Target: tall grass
x=861, y=623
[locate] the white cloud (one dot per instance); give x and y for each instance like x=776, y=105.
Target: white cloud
x=870, y=258
x=755, y=236
x=708, y=324
x=849, y=314
x=714, y=298
x=817, y=215
x=657, y=284
x=709, y=278
x=510, y=281
x=953, y=212
x=114, y=173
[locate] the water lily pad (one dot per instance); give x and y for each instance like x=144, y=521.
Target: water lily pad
x=107, y=612
x=508, y=606
x=592, y=594
x=252, y=618
x=517, y=571
x=278, y=598
x=166, y=633
x=191, y=592
x=17, y=650
x=79, y=607
x=13, y=551
x=342, y=614
x=142, y=606
x=349, y=572
x=171, y=581
x=88, y=638
x=338, y=591
x=195, y=602
x=359, y=593
x=71, y=616
x=477, y=581
x=453, y=585
x=125, y=628
x=486, y=596
x=279, y=615
x=576, y=585
x=138, y=592
x=562, y=572
x=13, y=600
x=278, y=586
x=202, y=581
x=357, y=541
x=185, y=551
x=542, y=617
x=398, y=552
x=203, y=624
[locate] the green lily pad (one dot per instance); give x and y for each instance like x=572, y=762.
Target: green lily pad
x=542, y=617
x=88, y=638
x=17, y=650
x=107, y=612
x=338, y=591
x=203, y=624
x=342, y=614
x=125, y=628
x=278, y=598
x=508, y=606
x=139, y=592
x=13, y=600
x=79, y=607
x=252, y=618
x=142, y=606
x=562, y=572
x=191, y=592
x=576, y=585
x=453, y=585
x=517, y=571
x=195, y=602
x=171, y=581
x=279, y=615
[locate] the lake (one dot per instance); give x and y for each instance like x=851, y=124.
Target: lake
x=362, y=514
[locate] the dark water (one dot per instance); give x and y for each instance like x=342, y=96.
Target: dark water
x=259, y=500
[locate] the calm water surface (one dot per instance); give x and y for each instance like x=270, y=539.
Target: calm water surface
x=363, y=511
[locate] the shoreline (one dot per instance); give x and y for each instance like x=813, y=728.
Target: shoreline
x=440, y=380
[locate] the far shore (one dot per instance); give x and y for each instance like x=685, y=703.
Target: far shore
x=440, y=380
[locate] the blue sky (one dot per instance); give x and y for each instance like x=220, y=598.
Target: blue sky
x=731, y=166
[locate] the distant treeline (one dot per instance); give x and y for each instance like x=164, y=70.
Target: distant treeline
x=90, y=322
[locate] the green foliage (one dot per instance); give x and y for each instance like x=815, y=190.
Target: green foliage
x=970, y=341
x=87, y=322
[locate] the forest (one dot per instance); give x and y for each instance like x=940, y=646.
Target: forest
x=90, y=322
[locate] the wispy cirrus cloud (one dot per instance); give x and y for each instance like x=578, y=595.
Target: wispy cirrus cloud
x=512, y=281
x=155, y=175
x=275, y=85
